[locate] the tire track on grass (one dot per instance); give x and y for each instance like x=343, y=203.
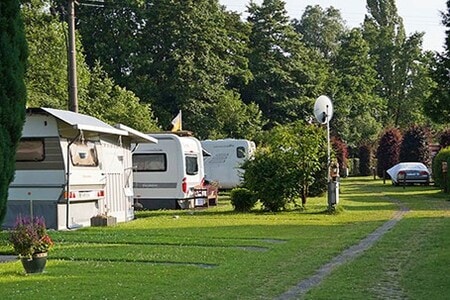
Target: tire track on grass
x=298, y=291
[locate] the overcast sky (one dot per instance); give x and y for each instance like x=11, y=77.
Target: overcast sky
x=418, y=15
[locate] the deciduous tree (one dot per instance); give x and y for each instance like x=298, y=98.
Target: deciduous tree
x=400, y=63
x=321, y=29
x=437, y=106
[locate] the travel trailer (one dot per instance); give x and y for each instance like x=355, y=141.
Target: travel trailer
x=71, y=167
x=166, y=174
x=225, y=160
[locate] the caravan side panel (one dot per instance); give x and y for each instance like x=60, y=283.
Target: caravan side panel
x=40, y=175
x=166, y=173
x=227, y=156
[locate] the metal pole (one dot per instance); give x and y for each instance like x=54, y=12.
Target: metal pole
x=73, y=89
x=330, y=188
x=328, y=143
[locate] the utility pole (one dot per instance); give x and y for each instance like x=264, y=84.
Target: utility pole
x=73, y=89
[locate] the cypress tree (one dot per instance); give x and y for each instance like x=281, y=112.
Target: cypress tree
x=13, y=55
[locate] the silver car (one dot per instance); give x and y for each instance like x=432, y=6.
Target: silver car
x=409, y=173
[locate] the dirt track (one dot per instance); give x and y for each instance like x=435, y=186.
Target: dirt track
x=347, y=255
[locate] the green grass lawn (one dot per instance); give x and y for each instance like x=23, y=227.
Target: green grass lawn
x=218, y=254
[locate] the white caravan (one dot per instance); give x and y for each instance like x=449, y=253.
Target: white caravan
x=224, y=163
x=166, y=174
x=71, y=167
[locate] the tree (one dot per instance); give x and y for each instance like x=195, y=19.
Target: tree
x=321, y=29
x=400, y=63
x=112, y=104
x=110, y=34
x=233, y=118
x=46, y=78
x=287, y=77
x=388, y=150
x=13, y=54
x=365, y=160
x=358, y=109
x=437, y=106
x=284, y=167
x=414, y=146
x=175, y=56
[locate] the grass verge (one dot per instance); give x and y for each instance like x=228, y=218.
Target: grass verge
x=218, y=254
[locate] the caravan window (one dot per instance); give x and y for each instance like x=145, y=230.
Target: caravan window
x=240, y=152
x=30, y=150
x=84, y=154
x=191, y=165
x=155, y=162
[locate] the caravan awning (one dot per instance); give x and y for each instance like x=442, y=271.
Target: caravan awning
x=83, y=122
x=137, y=136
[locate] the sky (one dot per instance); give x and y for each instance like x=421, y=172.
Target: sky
x=418, y=15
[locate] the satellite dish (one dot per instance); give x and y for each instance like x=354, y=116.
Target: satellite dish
x=323, y=109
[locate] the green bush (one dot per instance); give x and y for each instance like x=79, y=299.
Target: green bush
x=268, y=176
x=284, y=167
x=242, y=199
x=319, y=186
x=442, y=156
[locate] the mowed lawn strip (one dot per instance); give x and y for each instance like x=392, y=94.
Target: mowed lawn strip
x=409, y=262
x=204, y=254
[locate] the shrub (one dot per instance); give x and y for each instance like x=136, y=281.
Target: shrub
x=414, y=146
x=242, y=199
x=444, y=139
x=388, y=150
x=340, y=150
x=442, y=156
x=286, y=167
x=266, y=174
x=353, y=166
x=365, y=160
x=319, y=186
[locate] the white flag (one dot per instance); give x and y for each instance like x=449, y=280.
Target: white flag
x=176, y=122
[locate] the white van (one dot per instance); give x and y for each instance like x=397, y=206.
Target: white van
x=224, y=163
x=166, y=174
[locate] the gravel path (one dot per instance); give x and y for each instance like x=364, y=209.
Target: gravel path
x=347, y=255
x=7, y=258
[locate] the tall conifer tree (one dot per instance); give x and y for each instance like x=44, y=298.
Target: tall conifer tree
x=13, y=55
x=287, y=75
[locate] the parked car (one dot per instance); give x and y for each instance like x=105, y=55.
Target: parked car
x=409, y=173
